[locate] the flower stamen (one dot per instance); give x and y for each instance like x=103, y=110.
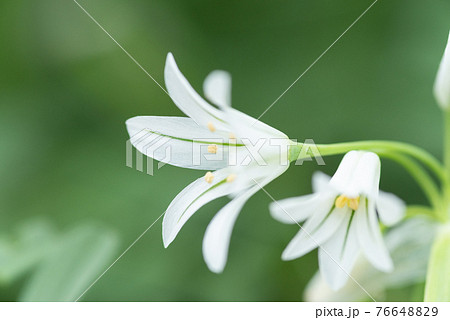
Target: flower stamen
x=211, y=127
x=342, y=201
x=231, y=177
x=209, y=177
x=212, y=148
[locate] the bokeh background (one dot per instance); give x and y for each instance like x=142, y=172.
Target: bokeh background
x=68, y=203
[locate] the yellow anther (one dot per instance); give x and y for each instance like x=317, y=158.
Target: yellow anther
x=231, y=177
x=211, y=127
x=353, y=203
x=342, y=200
x=212, y=148
x=232, y=136
x=209, y=177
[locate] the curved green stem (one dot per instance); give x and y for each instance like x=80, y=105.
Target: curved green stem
x=422, y=178
x=402, y=153
x=390, y=146
x=447, y=143
x=447, y=154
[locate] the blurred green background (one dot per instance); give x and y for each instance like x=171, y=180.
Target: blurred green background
x=67, y=89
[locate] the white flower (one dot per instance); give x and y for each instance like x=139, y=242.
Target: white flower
x=410, y=246
x=342, y=218
x=442, y=83
x=210, y=139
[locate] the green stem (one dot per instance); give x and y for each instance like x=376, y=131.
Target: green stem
x=447, y=155
x=402, y=153
x=390, y=146
x=447, y=144
x=437, y=286
x=421, y=177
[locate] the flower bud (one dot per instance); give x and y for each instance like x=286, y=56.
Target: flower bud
x=442, y=83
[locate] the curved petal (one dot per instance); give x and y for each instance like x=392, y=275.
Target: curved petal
x=320, y=181
x=218, y=233
x=178, y=141
x=245, y=126
x=341, y=179
x=442, y=83
x=358, y=174
x=318, y=229
x=390, y=208
x=409, y=251
x=192, y=198
x=370, y=238
x=248, y=176
x=338, y=255
x=410, y=255
x=217, y=87
x=264, y=143
x=367, y=175
x=188, y=100
x=295, y=209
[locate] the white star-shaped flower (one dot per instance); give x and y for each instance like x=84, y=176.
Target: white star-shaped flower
x=246, y=154
x=342, y=217
x=410, y=245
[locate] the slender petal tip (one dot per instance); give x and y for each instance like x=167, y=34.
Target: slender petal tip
x=442, y=83
x=287, y=255
x=166, y=236
x=217, y=88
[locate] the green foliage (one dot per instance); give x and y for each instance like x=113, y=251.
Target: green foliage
x=67, y=89
x=438, y=277
x=24, y=249
x=76, y=260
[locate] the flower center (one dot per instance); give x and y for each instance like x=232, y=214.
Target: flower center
x=342, y=201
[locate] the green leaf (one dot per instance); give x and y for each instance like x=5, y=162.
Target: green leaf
x=72, y=266
x=438, y=277
x=24, y=248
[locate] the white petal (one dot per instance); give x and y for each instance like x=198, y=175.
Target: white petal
x=218, y=234
x=358, y=173
x=367, y=175
x=320, y=181
x=245, y=126
x=409, y=252
x=343, y=176
x=318, y=229
x=390, y=208
x=217, y=87
x=247, y=175
x=178, y=141
x=295, y=209
x=442, y=83
x=190, y=199
x=338, y=255
x=188, y=100
x=410, y=245
x=370, y=238
x=265, y=144
x=369, y=278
